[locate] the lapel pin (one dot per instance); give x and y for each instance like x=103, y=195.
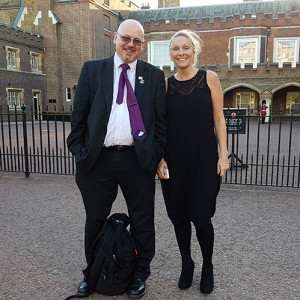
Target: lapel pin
x=141, y=79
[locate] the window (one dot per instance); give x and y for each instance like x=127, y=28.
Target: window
x=159, y=54
x=36, y=104
x=246, y=50
x=68, y=94
x=36, y=62
x=245, y=100
x=286, y=50
x=14, y=98
x=13, y=58
x=293, y=103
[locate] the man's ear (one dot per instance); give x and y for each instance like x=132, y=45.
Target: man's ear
x=115, y=37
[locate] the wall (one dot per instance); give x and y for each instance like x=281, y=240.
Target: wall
x=23, y=78
x=9, y=10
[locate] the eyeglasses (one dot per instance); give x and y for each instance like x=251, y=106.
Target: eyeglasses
x=127, y=40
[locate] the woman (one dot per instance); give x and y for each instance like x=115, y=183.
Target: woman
x=192, y=167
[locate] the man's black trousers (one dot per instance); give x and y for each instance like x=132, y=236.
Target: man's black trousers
x=99, y=189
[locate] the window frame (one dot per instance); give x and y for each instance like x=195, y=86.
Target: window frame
x=240, y=39
x=38, y=60
x=275, y=49
x=151, y=46
x=13, y=55
x=290, y=103
x=14, y=98
x=240, y=96
x=68, y=94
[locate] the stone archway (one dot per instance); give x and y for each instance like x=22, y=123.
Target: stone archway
x=242, y=96
x=286, y=100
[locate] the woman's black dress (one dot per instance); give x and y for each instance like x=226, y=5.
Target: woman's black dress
x=191, y=153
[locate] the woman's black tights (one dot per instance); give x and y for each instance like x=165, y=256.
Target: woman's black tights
x=205, y=236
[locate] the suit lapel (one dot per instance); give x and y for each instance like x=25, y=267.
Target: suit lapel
x=140, y=80
x=107, y=76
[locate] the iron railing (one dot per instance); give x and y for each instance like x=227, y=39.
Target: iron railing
x=35, y=143
x=260, y=154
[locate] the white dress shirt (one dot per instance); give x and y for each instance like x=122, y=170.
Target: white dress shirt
x=118, y=127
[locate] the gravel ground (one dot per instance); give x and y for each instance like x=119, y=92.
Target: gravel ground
x=257, y=243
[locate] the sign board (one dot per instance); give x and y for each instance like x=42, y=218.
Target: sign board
x=235, y=120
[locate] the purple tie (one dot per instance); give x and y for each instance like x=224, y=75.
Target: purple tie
x=136, y=121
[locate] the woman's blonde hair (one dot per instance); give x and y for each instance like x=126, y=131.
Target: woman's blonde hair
x=194, y=39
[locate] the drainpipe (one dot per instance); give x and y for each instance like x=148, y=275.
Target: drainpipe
x=20, y=14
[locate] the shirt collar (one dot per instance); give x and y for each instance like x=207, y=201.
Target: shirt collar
x=118, y=61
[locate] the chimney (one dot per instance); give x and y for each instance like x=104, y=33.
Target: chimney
x=145, y=6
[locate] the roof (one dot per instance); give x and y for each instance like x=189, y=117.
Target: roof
x=216, y=11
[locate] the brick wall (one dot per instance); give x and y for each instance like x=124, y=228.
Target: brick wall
x=84, y=33
x=217, y=53
x=23, y=79
x=168, y=3
x=122, y=5
x=29, y=17
x=9, y=10
x=216, y=35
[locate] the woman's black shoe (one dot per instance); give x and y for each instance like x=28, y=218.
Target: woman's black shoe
x=186, y=276
x=207, y=279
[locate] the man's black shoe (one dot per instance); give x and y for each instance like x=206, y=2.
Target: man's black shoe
x=83, y=289
x=137, y=289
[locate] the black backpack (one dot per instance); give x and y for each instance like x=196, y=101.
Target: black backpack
x=112, y=265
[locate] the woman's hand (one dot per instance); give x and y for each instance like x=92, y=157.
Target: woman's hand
x=223, y=165
x=162, y=170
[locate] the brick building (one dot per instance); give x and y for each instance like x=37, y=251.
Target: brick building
x=64, y=33
x=74, y=31
x=21, y=68
x=253, y=46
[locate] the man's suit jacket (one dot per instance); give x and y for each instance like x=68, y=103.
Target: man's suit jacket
x=92, y=106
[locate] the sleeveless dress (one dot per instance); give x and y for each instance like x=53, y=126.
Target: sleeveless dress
x=191, y=154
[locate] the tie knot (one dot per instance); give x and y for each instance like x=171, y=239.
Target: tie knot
x=125, y=67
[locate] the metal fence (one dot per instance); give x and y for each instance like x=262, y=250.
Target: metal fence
x=35, y=143
x=259, y=154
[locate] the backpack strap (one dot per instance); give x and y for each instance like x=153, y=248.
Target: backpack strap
x=77, y=296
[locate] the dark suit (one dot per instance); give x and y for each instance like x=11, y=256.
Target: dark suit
x=99, y=173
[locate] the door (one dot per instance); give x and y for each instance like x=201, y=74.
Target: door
x=36, y=105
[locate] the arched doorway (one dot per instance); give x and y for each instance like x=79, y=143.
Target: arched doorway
x=286, y=100
x=242, y=97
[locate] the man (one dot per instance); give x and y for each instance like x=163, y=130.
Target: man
x=263, y=111
x=113, y=147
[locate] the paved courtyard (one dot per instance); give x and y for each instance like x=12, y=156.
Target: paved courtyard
x=257, y=242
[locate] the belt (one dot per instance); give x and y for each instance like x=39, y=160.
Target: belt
x=120, y=148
